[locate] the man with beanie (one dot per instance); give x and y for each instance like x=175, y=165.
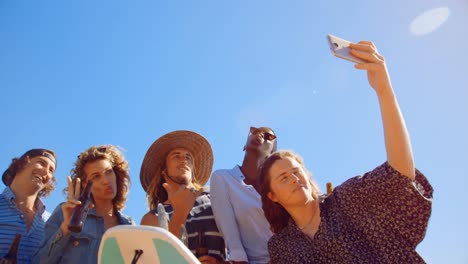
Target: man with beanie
x=27, y=179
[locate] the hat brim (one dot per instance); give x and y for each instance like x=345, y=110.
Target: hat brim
x=193, y=142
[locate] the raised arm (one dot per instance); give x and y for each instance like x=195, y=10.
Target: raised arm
x=397, y=141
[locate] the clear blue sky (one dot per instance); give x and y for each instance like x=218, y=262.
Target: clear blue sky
x=78, y=73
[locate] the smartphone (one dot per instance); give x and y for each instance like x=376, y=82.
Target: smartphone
x=340, y=48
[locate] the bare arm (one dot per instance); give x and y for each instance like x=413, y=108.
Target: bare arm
x=397, y=141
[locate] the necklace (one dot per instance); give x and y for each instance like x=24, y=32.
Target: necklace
x=307, y=224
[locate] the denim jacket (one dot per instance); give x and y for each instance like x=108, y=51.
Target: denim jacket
x=75, y=247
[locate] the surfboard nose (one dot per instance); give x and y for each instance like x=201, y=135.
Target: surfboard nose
x=119, y=245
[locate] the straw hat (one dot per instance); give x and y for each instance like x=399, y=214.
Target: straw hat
x=156, y=155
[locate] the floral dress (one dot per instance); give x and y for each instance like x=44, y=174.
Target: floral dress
x=379, y=217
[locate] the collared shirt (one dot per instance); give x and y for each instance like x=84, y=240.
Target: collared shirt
x=13, y=221
x=379, y=217
x=239, y=215
x=80, y=247
x=201, y=219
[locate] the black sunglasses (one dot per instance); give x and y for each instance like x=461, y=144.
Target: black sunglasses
x=266, y=135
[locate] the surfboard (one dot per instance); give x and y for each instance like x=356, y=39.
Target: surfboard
x=125, y=244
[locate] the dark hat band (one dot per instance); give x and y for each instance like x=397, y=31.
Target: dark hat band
x=31, y=153
x=40, y=152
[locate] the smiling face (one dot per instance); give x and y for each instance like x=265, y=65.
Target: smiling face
x=289, y=183
x=179, y=165
x=104, y=179
x=35, y=176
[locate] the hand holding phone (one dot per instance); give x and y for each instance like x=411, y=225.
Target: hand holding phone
x=340, y=48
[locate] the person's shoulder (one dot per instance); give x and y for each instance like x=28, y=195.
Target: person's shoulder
x=127, y=219
x=150, y=218
x=6, y=194
x=58, y=208
x=221, y=172
x=227, y=174
x=56, y=216
x=219, y=177
x=282, y=235
x=276, y=240
x=280, y=243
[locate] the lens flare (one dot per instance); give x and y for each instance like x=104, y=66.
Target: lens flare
x=429, y=21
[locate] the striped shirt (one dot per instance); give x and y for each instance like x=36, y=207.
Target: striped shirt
x=201, y=219
x=12, y=222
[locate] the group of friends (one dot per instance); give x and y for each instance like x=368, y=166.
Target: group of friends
x=266, y=210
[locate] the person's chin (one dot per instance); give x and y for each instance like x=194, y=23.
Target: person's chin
x=182, y=179
x=110, y=196
x=254, y=148
x=39, y=185
x=110, y=193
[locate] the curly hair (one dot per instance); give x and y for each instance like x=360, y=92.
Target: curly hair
x=119, y=165
x=275, y=213
x=18, y=164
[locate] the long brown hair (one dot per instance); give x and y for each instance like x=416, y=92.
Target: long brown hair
x=119, y=165
x=156, y=193
x=275, y=213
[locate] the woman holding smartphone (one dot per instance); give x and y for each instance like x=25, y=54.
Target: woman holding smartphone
x=379, y=217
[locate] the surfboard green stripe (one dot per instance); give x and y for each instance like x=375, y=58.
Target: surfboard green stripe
x=111, y=252
x=167, y=253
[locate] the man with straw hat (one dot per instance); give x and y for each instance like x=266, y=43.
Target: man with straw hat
x=174, y=169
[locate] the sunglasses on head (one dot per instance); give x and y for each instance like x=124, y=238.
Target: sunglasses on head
x=100, y=150
x=266, y=135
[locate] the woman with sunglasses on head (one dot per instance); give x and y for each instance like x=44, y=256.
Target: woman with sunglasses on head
x=379, y=217
x=236, y=202
x=106, y=167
